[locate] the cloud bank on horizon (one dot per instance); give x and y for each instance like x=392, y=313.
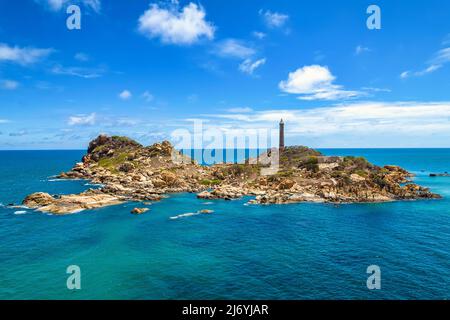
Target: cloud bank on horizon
x=146, y=68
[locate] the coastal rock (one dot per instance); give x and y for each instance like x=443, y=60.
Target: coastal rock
x=127, y=171
x=126, y=167
x=445, y=174
x=67, y=204
x=206, y=211
x=169, y=178
x=356, y=177
x=286, y=184
x=139, y=210
x=38, y=199
x=205, y=195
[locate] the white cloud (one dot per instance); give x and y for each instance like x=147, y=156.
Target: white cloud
x=127, y=122
x=234, y=49
x=248, y=66
x=274, y=19
x=240, y=110
x=125, y=95
x=22, y=56
x=411, y=123
x=438, y=60
x=360, y=49
x=80, y=56
x=373, y=89
x=258, y=34
x=82, y=120
x=85, y=73
x=148, y=97
x=57, y=5
x=93, y=4
x=9, y=84
x=315, y=82
x=441, y=57
x=405, y=74
x=430, y=69
x=175, y=26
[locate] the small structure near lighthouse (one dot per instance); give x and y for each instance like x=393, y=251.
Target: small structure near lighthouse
x=281, y=144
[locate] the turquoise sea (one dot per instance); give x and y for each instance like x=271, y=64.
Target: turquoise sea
x=296, y=251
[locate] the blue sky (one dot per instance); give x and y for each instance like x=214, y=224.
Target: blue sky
x=144, y=69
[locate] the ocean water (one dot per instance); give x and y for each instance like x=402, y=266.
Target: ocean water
x=296, y=251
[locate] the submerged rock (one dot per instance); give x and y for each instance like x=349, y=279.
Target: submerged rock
x=139, y=210
x=445, y=174
x=206, y=211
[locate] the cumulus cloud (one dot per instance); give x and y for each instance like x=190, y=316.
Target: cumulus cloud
x=125, y=95
x=9, y=84
x=274, y=19
x=175, y=26
x=315, y=82
x=82, y=120
x=232, y=48
x=22, y=56
x=249, y=66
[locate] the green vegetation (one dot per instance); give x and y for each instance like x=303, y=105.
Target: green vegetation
x=207, y=182
x=124, y=140
x=361, y=173
x=357, y=162
x=285, y=173
x=240, y=169
x=300, y=157
x=311, y=163
x=378, y=179
x=111, y=163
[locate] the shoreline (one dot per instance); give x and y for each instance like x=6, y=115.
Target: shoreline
x=124, y=170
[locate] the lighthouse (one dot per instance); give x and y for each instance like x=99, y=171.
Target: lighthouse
x=281, y=145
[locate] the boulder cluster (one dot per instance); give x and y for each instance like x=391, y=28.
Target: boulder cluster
x=128, y=171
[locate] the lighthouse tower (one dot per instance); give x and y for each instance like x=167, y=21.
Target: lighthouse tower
x=281, y=146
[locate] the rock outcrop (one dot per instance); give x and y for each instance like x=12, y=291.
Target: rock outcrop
x=139, y=210
x=72, y=203
x=128, y=171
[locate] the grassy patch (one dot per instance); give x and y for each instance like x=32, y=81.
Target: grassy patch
x=111, y=163
x=207, y=182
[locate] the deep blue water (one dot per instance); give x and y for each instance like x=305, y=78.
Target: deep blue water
x=297, y=251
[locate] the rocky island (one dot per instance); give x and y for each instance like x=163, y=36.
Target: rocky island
x=128, y=171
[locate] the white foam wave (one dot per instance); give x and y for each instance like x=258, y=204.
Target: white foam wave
x=94, y=185
x=184, y=215
x=20, y=212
